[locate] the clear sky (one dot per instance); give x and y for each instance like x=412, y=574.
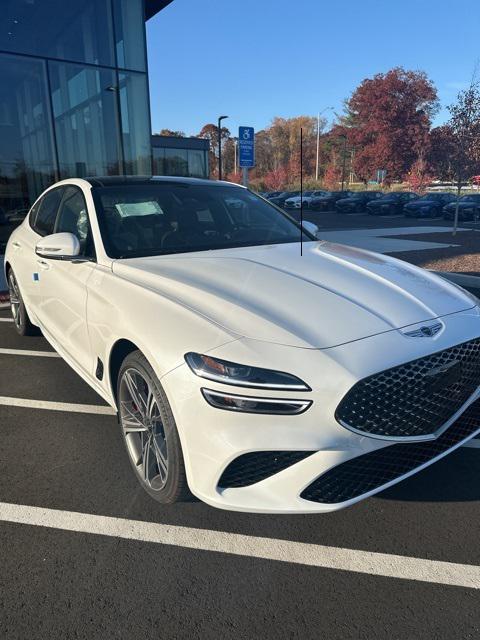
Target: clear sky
x=256, y=59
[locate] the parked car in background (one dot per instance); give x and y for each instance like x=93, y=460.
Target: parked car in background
x=306, y=198
x=390, y=203
x=271, y=194
x=280, y=199
x=357, y=202
x=428, y=206
x=326, y=202
x=468, y=208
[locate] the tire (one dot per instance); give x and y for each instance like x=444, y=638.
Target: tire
x=21, y=321
x=155, y=452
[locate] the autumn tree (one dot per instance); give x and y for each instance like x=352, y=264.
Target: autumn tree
x=440, y=153
x=210, y=132
x=170, y=132
x=387, y=121
x=464, y=125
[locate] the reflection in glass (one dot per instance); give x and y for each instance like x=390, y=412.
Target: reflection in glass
x=85, y=120
x=176, y=162
x=197, y=163
x=77, y=30
x=129, y=41
x=135, y=123
x=26, y=152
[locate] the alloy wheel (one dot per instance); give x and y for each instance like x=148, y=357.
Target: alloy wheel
x=143, y=429
x=15, y=301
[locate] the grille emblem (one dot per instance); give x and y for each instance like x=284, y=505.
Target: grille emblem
x=427, y=331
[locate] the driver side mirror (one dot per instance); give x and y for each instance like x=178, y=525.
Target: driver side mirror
x=58, y=246
x=312, y=228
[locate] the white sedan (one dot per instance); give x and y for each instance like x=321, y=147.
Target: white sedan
x=296, y=202
x=247, y=372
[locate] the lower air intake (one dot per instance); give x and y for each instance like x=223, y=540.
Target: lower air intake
x=258, y=465
x=372, y=470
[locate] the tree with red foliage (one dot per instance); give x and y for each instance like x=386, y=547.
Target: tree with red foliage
x=388, y=121
x=332, y=176
x=276, y=178
x=419, y=176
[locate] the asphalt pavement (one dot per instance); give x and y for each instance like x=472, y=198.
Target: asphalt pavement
x=87, y=554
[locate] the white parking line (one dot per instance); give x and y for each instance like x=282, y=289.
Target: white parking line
x=6, y=319
x=313, y=555
x=26, y=352
x=56, y=406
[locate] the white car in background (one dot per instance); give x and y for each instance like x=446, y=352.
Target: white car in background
x=296, y=201
x=255, y=377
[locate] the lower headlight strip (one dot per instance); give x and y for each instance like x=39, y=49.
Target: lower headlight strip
x=248, y=404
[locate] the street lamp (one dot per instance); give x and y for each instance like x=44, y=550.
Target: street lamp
x=318, y=140
x=344, y=159
x=220, y=146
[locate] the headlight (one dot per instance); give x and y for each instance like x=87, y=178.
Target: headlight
x=247, y=404
x=242, y=375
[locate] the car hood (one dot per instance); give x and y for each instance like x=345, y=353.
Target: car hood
x=331, y=295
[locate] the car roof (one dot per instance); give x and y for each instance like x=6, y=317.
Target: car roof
x=105, y=181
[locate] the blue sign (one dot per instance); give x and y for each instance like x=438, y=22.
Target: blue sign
x=246, y=147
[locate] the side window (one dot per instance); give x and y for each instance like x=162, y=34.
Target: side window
x=47, y=212
x=33, y=212
x=73, y=218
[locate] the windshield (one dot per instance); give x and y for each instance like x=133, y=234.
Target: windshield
x=158, y=219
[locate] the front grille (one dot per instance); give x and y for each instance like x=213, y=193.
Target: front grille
x=372, y=470
x=258, y=465
x=413, y=399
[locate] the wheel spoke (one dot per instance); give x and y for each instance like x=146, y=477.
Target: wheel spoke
x=135, y=394
x=131, y=423
x=147, y=449
x=161, y=459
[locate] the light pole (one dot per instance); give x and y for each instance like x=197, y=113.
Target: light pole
x=318, y=140
x=344, y=160
x=220, y=146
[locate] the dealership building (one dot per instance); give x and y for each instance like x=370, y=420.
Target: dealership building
x=74, y=95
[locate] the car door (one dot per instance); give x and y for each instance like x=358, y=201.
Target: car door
x=64, y=286
x=41, y=221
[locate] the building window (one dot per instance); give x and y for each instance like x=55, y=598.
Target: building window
x=26, y=150
x=129, y=38
x=158, y=161
x=197, y=163
x=85, y=120
x=176, y=162
x=135, y=123
x=77, y=30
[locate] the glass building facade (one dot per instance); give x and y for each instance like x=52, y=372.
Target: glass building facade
x=174, y=156
x=73, y=93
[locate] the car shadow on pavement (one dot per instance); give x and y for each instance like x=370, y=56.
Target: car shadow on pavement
x=455, y=478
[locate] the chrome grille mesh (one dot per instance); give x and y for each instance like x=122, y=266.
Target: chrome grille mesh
x=416, y=398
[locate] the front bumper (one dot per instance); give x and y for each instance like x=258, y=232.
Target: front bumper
x=212, y=439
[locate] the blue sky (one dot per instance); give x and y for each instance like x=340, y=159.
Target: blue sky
x=256, y=59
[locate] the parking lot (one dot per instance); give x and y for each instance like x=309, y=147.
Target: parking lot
x=86, y=553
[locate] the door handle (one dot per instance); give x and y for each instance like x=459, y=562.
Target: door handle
x=43, y=265
x=16, y=244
